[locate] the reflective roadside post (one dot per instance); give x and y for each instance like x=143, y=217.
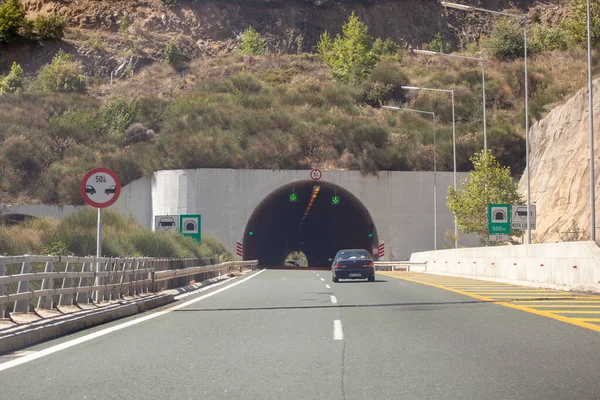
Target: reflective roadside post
x=451, y=91
x=434, y=167
x=523, y=19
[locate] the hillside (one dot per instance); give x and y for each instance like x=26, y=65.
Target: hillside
x=270, y=111
x=108, y=35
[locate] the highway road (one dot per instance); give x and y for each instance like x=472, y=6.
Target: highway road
x=280, y=334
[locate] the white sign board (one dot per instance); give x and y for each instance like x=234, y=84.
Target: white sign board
x=519, y=217
x=499, y=238
x=166, y=223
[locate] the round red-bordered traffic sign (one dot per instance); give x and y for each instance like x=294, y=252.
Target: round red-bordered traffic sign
x=315, y=174
x=100, y=187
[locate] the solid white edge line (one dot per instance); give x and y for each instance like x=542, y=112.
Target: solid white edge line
x=91, y=336
x=333, y=299
x=328, y=287
x=338, y=333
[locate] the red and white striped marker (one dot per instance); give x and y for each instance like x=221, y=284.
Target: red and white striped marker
x=240, y=249
x=381, y=249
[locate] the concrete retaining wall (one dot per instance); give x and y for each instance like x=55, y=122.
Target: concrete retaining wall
x=568, y=266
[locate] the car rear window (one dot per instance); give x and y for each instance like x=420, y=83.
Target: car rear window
x=353, y=255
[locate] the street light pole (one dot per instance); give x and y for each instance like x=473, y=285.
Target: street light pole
x=480, y=60
x=591, y=123
x=434, y=167
x=453, y=144
x=524, y=21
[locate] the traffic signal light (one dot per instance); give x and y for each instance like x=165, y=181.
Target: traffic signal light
x=335, y=200
x=293, y=197
x=371, y=230
x=250, y=233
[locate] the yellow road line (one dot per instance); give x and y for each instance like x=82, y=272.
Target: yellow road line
x=589, y=319
x=560, y=301
x=573, y=312
x=543, y=313
x=562, y=305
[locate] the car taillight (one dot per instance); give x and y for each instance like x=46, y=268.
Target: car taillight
x=338, y=264
x=371, y=264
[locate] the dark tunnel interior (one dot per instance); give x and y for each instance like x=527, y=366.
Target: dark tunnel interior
x=335, y=220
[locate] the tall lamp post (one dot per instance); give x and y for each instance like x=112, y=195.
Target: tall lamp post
x=453, y=143
x=481, y=61
x=524, y=21
x=591, y=123
x=434, y=167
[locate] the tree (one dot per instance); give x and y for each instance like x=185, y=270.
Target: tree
x=506, y=40
x=251, y=43
x=13, y=82
x=488, y=183
x=12, y=17
x=350, y=57
x=576, y=24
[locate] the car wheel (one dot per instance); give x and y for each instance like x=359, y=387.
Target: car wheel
x=371, y=279
x=335, y=280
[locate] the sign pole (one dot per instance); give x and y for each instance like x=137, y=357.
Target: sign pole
x=99, y=235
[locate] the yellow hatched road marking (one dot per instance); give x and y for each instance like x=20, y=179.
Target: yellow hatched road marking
x=560, y=301
x=543, y=313
x=573, y=312
x=521, y=291
x=562, y=305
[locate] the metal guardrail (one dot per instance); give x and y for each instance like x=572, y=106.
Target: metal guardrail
x=72, y=281
x=399, y=265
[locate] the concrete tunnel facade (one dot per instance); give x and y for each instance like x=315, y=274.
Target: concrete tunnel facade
x=398, y=204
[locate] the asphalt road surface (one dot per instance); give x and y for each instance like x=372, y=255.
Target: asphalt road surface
x=280, y=334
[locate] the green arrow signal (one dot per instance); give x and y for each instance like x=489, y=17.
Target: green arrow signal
x=335, y=200
x=293, y=197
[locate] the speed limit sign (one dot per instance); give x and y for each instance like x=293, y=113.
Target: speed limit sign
x=100, y=187
x=315, y=174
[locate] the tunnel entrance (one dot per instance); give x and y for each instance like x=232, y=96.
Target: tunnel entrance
x=314, y=217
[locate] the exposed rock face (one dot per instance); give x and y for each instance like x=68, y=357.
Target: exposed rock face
x=559, y=168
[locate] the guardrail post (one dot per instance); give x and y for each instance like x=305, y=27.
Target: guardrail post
x=125, y=288
x=116, y=291
x=136, y=286
x=2, y=306
x=45, y=301
x=67, y=299
x=84, y=298
x=147, y=276
x=98, y=282
x=22, y=306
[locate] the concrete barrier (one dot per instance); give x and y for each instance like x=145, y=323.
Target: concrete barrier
x=566, y=266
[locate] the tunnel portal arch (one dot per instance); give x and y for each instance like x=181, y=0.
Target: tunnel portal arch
x=336, y=219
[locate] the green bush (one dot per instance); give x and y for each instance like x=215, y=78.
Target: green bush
x=118, y=115
x=13, y=82
x=49, y=27
x=506, y=41
x=388, y=79
x=438, y=45
x=576, y=23
x=350, y=57
x=62, y=75
x=251, y=42
x=12, y=17
x=175, y=56
x=385, y=47
x=547, y=38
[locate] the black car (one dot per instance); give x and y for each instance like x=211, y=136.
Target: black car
x=112, y=189
x=352, y=264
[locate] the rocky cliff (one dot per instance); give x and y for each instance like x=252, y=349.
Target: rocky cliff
x=559, y=168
